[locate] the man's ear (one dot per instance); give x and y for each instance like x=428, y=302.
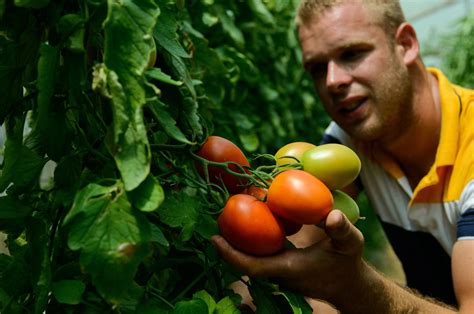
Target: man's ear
x=407, y=43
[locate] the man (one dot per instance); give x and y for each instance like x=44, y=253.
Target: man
x=414, y=133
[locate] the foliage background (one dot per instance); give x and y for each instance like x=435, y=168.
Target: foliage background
x=102, y=206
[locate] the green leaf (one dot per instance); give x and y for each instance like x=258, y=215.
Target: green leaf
x=2, y=7
x=296, y=301
x=263, y=298
x=47, y=71
x=206, y=297
x=206, y=226
x=15, y=275
x=247, y=69
x=51, y=125
x=191, y=114
x=154, y=306
x=68, y=291
x=167, y=122
x=179, y=210
x=157, y=74
x=194, y=306
x=68, y=171
x=226, y=306
x=18, y=57
x=229, y=27
x=165, y=34
x=71, y=28
x=130, y=146
x=11, y=208
x=38, y=238
x=250, y=141
x=158, y=236
x=10, y=87
x=181, y=71
x=111, y=235
x=148, y=196
x=22, y=166
x=31, y=4
x=53, y=132
x=126, y=59
x=261, y=12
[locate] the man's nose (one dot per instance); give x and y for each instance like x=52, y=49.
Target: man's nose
x=337, y=77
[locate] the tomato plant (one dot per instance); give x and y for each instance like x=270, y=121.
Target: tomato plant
x=220, y=150
x=335, y=164
x=299, y=197
x=295, y=149
x=101, y=117
x=249, y=225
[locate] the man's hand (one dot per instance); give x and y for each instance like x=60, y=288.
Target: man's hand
x=333, y=270
x=323, y=270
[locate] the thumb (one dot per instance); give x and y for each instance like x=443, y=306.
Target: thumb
x=345, y=237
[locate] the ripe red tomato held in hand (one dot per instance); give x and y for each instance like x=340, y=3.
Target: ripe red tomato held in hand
x=249, y=225
x=220, y=149
x=299, y=197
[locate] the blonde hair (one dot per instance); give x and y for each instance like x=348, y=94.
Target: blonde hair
x=390, y=12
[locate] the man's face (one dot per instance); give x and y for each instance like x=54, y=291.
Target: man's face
x=358, y=72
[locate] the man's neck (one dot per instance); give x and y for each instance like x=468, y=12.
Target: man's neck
x=415, y=150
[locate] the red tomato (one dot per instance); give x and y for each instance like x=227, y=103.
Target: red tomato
x=249, y=225
x=219, y=149
x=299, y=197
x=259, y=193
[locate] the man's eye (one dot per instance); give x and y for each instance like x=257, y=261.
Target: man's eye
x=352, y=55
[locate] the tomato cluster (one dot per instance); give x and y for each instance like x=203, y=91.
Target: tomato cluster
x=303, y=189
x=335, y=165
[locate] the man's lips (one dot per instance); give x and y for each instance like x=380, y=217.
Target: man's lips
x=350, y=104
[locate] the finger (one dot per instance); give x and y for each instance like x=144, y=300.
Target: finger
x=253, y=266
x=344, y=235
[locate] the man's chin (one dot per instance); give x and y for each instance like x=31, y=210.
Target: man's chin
x=362, y=133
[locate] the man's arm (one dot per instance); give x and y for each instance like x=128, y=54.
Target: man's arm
x=463, y=274
x=333, y=270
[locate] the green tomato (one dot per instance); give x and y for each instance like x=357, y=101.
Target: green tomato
x=334, y=164
x=292, y=153
x=347, y=205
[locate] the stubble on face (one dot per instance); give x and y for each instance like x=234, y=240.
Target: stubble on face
x=391, y=97
x=382, y=76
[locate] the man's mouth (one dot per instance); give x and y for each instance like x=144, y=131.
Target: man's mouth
x=350, y=105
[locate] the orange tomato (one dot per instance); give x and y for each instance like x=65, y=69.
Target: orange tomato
x=299, y=197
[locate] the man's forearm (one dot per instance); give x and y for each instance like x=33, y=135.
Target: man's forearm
x=373, y=293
